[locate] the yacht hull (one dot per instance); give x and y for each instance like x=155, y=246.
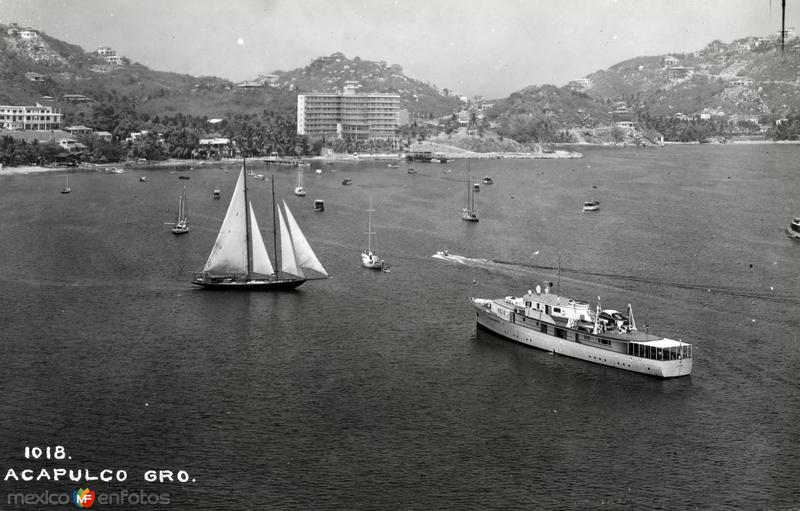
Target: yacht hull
x=529, y=337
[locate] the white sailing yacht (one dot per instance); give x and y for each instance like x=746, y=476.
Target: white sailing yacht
x=370, y=259
x=66, y=189
x=182, y=223
x=299, y=190
x=470, y=212
x=239, y=258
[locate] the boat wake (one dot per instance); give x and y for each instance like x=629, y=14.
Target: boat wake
x=454, y=258
x=512, y=268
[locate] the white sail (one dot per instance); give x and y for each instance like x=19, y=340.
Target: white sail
x=288, y=262
x=229, y=254
x=261, y=262
x=302, y=250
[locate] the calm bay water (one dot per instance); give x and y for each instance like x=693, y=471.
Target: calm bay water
x=376, y=391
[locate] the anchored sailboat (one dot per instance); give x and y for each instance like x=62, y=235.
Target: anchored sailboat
x=182, y=224
x=66, y=189
x=370, y=259
x=299, y=190
x=470, y=212
x=239, y=258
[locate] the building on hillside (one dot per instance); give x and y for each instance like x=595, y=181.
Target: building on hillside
x=76, y=98
x=35, y=77
x=104, y=136
x=71, y=145
x=113, y=60
x=218, y=147
x=628, y=125
x=27, y=33
x=580, y=83
x=670, y=61
x=105, y=51
x=741, y=82
x=361, y=116
x=74, y=131
x=675, y=73
x=37, y=117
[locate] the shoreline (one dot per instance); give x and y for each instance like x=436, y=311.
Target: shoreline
x=188, y=165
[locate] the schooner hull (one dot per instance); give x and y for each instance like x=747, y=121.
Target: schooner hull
x=249, y=285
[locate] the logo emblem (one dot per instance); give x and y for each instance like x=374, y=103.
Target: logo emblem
x=83, y=498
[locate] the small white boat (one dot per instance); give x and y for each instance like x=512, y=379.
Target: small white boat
x=319, y=206
x=299, y=190
x=370, y=259
x=487, y=180
x=116, y=170
x=143, y=179
x=591, y=205
x=793, y=228
x=476, y=187
x=392, y=165
x=182, y=224
x=217, y=194
x=66, y=189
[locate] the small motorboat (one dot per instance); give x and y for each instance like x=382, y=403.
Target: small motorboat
x=476, y=187
x=184, y=177
x=412, y=171
x=487, y=180
x=591, y=205
x=392, y=165
x=319, y=206
x=793, y=228
x=216, y=194
x=347, y=182
x=143, y=179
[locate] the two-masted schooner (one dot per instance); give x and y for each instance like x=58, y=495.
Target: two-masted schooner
x=239, y=258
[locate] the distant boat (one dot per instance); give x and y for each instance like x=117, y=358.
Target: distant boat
x=476, y=187
x=393, y=165
x=299, y=190
x=182, y=224
x=184, y=177
x=370, y=259
x=239, y=258
x=304, y=164
x=793, y=228
x=318, y=171
x=116, y=170
x=487, y=180
x=66, y=189
x=217, y=194
x=319, y=206
x=412, y=171
x=143, y=179
x=347, y=182
x=593, y=205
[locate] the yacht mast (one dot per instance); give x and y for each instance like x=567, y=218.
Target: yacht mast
x=247, y=237
x=275, y=229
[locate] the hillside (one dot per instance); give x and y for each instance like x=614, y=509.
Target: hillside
x=66, y=69
x=744, y=79
x=329, y=74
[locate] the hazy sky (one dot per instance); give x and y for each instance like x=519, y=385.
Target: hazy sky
x=486, y=47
